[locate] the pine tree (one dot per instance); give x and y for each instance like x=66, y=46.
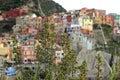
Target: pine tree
x=67, y=67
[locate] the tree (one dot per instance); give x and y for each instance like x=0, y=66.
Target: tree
x=99, y=66
x=45, y=51
x=66, y=68
x=46, y=56
x=83, y=70
x=16, y=50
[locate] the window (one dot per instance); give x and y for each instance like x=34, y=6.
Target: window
x=30, y=52
x=28, y=48
x=78, y=28
x=80, y=34
x=62, y=54
x=32, y=48
x=25, y=54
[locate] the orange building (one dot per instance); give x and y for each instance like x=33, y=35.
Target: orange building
x=109, y=20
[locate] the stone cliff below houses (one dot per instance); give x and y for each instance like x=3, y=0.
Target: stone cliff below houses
x=116, y=37
x=92, y=62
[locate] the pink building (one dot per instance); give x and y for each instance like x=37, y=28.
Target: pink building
x=28, y=53
x=13, y=13
x=32, y=30
x=116, y=30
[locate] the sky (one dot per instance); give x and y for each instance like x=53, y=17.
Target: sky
x=111, y=6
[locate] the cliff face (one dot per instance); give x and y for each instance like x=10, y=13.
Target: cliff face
x=40, y=7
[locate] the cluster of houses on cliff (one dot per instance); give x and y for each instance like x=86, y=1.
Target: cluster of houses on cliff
x=77, y=24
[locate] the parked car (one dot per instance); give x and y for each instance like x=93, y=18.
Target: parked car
x=11, y=71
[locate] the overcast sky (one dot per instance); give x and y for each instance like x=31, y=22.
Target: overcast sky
x=111, y=6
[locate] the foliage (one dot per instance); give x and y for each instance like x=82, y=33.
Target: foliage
x=83, y=70
x=66, y=68
x=99, y=66
x=16, y=51
x=46, y=57
x=48, y=6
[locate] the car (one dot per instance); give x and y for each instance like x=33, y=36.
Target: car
x=11, y=71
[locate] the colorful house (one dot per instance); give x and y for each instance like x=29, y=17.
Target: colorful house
x=73, y=28
x=92, y=13
x=109, y=20
x=116, y=18
x=3, y=50
x=28, y=53
x=13, y=13
x=36, y=22
x=83, y=11
x=101, y=12
x=32, y=31
x=87, y=23
x=97, y=20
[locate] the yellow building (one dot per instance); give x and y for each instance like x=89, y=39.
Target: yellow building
x=97, y=20
x=3, y=50
x=87, y=23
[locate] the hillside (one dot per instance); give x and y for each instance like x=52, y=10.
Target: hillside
x=40, y=7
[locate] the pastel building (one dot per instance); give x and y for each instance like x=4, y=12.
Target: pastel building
x=36, y=22
x=4, y=50
x=116, y=18
x=116, y=30
x=28, y=53
x=73, y=28
x=13, y=13
x=101, y=12
x=32, y=30
x=109, y=20
x=97, y=20
x=87, y=23
x=83, y=11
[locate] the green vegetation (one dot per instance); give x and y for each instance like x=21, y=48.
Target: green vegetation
x=99, y=66
x=83, y=71
x=111, y=44
x=48, y=6
x=46, y=57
